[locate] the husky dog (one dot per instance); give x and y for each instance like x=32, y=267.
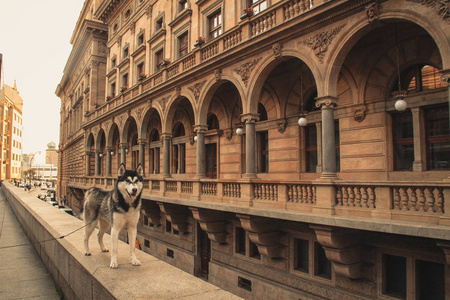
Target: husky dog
x=116, y=209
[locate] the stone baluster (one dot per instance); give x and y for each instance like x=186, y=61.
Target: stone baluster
x=404, y=198
x=440, y=201
x=421, y=199
x=396, y=199
x=413, y=199
x=430, y=199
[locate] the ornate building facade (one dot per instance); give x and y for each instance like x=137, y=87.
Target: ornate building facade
x=280, y=160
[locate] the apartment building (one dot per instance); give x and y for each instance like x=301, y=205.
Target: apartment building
x=292, y=149
x=11, y=133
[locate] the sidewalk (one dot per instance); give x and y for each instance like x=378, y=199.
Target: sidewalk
x=23, y=276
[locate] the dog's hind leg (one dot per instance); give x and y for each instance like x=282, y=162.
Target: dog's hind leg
x=87, y=233
x=104, y=227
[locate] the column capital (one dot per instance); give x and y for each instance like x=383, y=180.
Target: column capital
x=123, y=146
x=249, y=118
x=200, y=128
x=166, y=136
x=326, y=102
x=142, y=141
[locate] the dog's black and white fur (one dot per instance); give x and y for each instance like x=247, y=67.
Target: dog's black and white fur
x=116, y=209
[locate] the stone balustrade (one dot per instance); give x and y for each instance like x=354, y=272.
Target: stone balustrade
x=416, y=202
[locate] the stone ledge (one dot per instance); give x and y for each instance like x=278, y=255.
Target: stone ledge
x=82, y=277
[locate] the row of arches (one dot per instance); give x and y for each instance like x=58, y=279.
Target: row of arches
x=374, y=61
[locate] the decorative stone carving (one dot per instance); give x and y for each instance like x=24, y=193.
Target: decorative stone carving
x=177, y=215
x=246, y=69
x=95, y=130
x=196, y=89
x=281, y=124
x=102, y=48
x=327, y=102
x=342, y=247
x=359, y=113
x=320, y=42
x=212, y=222
x=277, y=52
x=218, y=74
x=372, y=12
x=264, y=233
x=228, y=133
x=152, y=211
x=442, y=6
x=162, y=103
x=138, y=114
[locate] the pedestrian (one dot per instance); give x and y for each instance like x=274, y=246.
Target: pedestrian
x=64, y=200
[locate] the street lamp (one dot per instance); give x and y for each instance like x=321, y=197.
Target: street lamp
x=31, y=164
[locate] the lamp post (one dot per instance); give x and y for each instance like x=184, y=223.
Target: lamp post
x=31, y=164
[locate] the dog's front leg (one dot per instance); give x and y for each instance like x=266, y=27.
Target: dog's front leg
x=132, y=232
x=114, y=243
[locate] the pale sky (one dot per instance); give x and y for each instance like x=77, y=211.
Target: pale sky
x=35, y=43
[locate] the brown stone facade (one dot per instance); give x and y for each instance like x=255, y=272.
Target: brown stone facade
x=351, y=206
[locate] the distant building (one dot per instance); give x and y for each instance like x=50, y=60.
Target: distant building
x=11, y=132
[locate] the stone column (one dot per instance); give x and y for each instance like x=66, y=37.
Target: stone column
x=123, y=153
x=97, y=162
x=201, y=150
x=87, y=162
x=108, y=161
x=166, y=154
x=418, y=136
x=250, y=144
x=142, y=144
x=327, y=105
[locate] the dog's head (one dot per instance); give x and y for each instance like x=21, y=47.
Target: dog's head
x=130, y=182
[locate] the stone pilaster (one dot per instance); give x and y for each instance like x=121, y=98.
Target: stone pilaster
x=142, y=144
x=123, y=153
x=108, y=160
x=87, y=162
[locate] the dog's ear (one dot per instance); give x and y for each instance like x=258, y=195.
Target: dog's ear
x=121, y=170
x=140, y=170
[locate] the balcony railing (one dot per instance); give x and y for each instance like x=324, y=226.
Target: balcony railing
x=416, y=202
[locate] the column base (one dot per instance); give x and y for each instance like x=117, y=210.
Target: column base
x=250, y=175
x=328, y=176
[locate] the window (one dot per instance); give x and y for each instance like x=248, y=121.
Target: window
x=140, y=70
x=159, y=24
x=182, y=5
x=125, y=80
x=159, y=58
x=215, y=24
x=154, y=152
x=183, y=45
x=430, y=281
x=127, y=13
x=262, y=140
x=125, y=52
x=240, y=240
x=140, y=39
x=402, y=133
x=112, y=89
x=419, y=78
x=394, y=276
x=322, y=264
x=311, y=148
x=437, y=137
x=301, y=255
x=258, y=5
x=179, y=151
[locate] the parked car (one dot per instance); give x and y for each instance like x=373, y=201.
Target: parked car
x=42, y=195
x=52, y=202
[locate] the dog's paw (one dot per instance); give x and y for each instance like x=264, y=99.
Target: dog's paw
x=87, y=253
x=105, y=250
x=114, y=265
x=135, y=262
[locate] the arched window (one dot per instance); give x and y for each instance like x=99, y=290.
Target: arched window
x=419, y=78
x=212, y=122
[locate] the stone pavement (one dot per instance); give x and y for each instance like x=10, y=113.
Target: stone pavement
x=22, y=274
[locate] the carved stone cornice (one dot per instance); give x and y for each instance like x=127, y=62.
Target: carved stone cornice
x=246, y=69
x=152, y=211
x=162, y=103
x=218, y=74
x=212, y=222
x=196, y=89
x=359, y=113
x=321, y=41
x=248, y=118
x=277, y=50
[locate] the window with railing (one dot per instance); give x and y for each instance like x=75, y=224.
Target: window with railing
x=159, y=59
x=437, y=134
x=257, y=5
x=215, y=24
x=183, y=44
